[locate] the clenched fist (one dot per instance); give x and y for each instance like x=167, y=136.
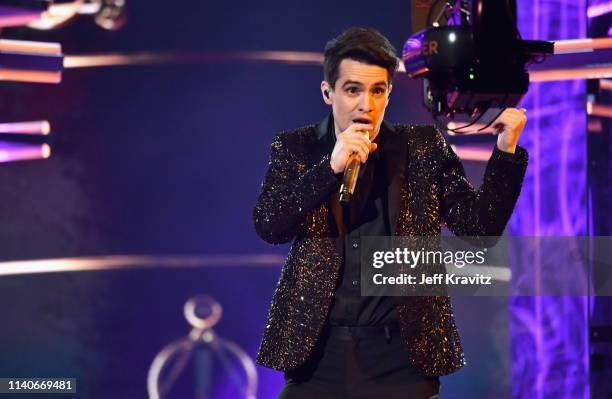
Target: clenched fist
x=353, y=140
x=510, y=125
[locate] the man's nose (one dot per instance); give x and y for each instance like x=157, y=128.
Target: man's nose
x=365, y=102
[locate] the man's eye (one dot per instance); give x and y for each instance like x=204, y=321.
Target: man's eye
x=379, y=91
x=351, y=90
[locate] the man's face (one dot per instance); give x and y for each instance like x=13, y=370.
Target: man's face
x=360, y=95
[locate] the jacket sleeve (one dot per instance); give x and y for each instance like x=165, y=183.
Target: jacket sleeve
x=290, y=191
x=486, y=211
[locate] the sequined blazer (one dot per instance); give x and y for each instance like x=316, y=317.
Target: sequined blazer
x=427, y=187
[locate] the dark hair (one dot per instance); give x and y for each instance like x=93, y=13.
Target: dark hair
x=365, y=45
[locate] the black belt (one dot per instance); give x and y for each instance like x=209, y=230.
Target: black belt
x=364, y=332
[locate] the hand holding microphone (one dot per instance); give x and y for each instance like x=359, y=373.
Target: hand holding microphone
x=352, y=149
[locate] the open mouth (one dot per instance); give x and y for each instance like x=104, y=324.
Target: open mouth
x=362, y=120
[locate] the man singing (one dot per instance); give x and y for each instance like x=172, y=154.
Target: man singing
x=330, y=341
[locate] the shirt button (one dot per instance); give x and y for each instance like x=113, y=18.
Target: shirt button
x=355, y=245
x=355, y=283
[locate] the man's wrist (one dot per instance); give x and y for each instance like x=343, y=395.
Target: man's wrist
x=520, y=155
x=339, y=175
x=507, y=143
x=508, y=149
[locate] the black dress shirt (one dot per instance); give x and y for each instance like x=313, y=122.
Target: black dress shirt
x=365, y=215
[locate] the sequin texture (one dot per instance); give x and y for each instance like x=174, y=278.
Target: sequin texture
x=433, y=189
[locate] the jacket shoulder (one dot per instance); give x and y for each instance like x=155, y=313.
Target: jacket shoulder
x=426, y=135
x=296, y=137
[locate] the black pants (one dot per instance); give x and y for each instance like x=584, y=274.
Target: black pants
x=358, y=363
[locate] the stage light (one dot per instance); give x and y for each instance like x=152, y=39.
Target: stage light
x=31, y=128
x=18, y=13
x=605, y=84
x=461, y=63
x=599, y=9
x=20, y=141
x=11, y=152
x=602, y=110
x=27, y=61
x=108, y=14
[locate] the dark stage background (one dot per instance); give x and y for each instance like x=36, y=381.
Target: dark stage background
x=167, y=160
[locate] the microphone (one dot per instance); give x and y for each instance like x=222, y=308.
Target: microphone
x=351, y=172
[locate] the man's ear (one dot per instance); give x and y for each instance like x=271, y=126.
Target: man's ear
x=326, y=91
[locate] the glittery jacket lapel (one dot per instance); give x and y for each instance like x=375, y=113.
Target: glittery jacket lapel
x=394, y=156
x=428, y=187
